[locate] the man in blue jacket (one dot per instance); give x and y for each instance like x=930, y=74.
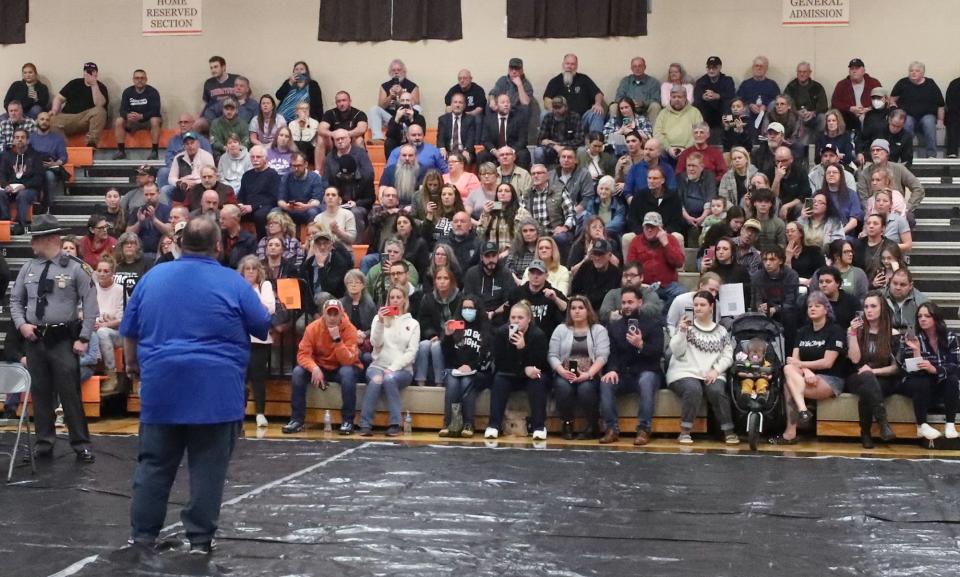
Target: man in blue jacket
x=191, y=359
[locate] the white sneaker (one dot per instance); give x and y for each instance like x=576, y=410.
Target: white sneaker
x=261, y=421
x=950, y=431
x=540, y=434
x=928, y=432
x=685, y=439
x=491, y=433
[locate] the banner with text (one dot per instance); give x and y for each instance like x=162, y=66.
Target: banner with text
x=172, y=17
x=816, y=12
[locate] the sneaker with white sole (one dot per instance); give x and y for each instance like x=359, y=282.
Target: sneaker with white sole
x=928, y=432
x=540, y=434
x=261, y=421
x=731, y=438
x=685, y=439
x=950, y=431
x=491, y=433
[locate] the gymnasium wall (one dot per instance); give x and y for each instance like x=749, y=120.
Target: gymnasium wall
x=262, y=39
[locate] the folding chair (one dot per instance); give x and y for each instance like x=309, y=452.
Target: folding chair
x=14, y=378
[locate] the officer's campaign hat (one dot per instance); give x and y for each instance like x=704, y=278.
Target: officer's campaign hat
x=44, y=224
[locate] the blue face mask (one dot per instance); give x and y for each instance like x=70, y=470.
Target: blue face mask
x=469, y=315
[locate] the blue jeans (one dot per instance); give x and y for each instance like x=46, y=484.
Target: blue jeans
x=369, y=261
x=926, y=127
x=669, y=292
x=391, y=385
x=592, y=122
x=460, y=390
x=162, y=175
x=303, y=217
x=208, y=449
x=24, y=200
x=645, y=384
x=429, y=352
x=568, y=394
x=345, y=376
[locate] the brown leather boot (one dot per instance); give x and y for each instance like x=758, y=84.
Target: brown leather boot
x=643, y=437
x=611, y=436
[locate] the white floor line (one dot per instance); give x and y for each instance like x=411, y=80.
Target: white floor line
x=79, y=565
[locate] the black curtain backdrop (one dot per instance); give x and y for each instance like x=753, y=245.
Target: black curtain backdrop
x=576, y=18
x=370, y=20
x=14, y=15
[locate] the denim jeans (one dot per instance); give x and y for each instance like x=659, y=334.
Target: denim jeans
x=429, y=352
x=504, y=384
x=369, y=261
x=345, y=376
x=926, y=127
x=668, y=292
x=304, y=216
x=645, y=384
x=391, y=384
x=691, y=392
x=110, y=339
x=592, y=122
x=569, y=395
x=460, y=390
x=208, y=449
x=24, y=200
x=163, y=174
x=378, y=119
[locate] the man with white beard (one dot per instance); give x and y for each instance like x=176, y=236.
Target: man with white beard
x=405, y=176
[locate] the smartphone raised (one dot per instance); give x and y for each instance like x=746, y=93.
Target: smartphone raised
x=512, y=330
x=633, y=325
x=497, y=205
x=456, y=325
x=808, y=204
x=393, y=311
x=711, y=253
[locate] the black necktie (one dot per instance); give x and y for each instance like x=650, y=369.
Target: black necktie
x=42, y=291
x=502, y=139
x=455, y=144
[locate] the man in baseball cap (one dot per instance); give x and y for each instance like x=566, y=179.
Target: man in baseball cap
x=845, y=94
x=81, y=106
x=661, y=255
x=514, y=84
x=713, y=92
x=547, y=302
x=597, y=276
x=829, y=154
x=491, y=280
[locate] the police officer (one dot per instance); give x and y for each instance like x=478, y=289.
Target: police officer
x=44, y=303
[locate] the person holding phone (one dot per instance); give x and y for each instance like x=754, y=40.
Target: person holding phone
x=579, y=349
x=937, y=371
x=636, y=350
x=520, y=350
x=702, y=353
x=500, y=218
x=466, y=352
x=821, y=221
x=439, y=306
x=395, y=335
x=868, y=254
x=873, y=354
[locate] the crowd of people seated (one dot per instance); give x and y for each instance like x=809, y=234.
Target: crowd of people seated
x=498, y=262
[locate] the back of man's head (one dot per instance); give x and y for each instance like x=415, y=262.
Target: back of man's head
x=200, y=236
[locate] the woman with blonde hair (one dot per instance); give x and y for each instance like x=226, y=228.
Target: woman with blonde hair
x=735, y=183
x=280, y=225
x=395, y=336
x=252, y=271
x=557, y=275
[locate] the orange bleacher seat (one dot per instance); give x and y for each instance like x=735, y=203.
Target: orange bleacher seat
x=430, y=136
x=375, y=152
x=5, y=230
x=80, y=155
x=359, y=251
x=138, y=139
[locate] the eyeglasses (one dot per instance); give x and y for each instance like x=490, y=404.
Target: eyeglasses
x=397, y=273
x=102, y=227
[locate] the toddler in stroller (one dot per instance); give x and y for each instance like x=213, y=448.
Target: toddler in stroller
x=754, y=369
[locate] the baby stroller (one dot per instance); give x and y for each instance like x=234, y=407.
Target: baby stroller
x=757, y=407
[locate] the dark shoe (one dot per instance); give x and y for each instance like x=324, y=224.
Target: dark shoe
x=9, y=414
x=293, y=426
x=202, y=548
x=38, y=455
x=643, y=437
x=347, y=428
x=393, y=431
x=886, y=432
x=366, y=432
x=120, y=155
x=804, y=419
x=611, y=436
x=568, y=430
x=780, y=440
x=154, y=155
x=866, y=440
x=590, y=433
x=86, y=456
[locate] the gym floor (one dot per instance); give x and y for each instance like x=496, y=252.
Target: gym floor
x=419, y=505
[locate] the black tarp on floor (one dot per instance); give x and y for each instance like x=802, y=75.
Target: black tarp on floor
x=376, y=509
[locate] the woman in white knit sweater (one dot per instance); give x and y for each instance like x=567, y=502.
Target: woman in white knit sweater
x=702, y=353
x=395, y=335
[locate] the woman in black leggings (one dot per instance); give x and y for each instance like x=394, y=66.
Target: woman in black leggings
x=937, y=371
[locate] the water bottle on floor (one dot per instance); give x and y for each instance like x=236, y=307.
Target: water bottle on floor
x=408, y=424
x=327, y=422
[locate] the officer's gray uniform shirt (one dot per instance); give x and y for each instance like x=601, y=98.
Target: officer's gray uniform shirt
x=71, y=285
